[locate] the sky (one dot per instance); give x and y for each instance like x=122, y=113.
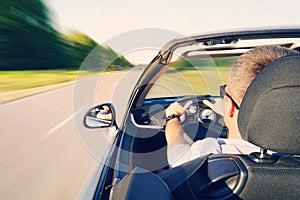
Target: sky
x=103, y=20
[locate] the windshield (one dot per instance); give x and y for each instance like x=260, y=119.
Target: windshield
x=193, y=76
x=199, y=68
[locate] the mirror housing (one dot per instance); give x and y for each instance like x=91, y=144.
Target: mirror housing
x=100, y=116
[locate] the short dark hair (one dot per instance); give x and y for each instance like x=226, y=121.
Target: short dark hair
x=248, y=65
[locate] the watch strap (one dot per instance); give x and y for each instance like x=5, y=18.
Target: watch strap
x=172, y=116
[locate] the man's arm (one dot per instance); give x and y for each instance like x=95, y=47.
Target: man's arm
x=174, y=131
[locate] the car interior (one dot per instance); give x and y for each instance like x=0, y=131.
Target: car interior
x=253, y=176
x=193, y=70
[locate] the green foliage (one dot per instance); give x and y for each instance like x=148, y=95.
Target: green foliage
x=183, y=64
x=28, y=41
x=27, y=38
x=121, y=61
x=224, y=61
x=99, y=57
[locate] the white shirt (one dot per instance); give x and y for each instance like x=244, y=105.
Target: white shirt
x=181, y=153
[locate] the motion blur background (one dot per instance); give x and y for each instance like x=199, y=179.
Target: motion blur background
x=34, y=53
x=56, y=36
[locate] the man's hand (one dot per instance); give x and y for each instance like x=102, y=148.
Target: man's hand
x=176, y=108
x=218, y=106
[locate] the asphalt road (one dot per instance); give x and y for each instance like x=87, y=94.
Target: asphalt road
x=43, y=152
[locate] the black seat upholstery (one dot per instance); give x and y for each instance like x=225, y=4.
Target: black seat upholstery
x=270, y=111
x=270, y=118
x=140, y=184
x=280, y=180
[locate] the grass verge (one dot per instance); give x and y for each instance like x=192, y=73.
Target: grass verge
x=204, y=81
x=18, y=84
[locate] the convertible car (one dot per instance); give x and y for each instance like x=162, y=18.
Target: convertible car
x=192, y=69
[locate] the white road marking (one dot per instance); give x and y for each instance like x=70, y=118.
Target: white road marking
x=61, y=124
x=45, y=136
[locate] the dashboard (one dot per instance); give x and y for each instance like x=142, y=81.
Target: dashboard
x=198, y=121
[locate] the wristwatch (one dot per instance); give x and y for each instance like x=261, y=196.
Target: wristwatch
x=172, y=116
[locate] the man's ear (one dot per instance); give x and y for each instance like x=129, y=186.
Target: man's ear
x=230, y=108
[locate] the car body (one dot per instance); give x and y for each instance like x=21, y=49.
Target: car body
x=185, y=69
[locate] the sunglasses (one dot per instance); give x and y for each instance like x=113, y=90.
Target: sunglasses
x=223, y=93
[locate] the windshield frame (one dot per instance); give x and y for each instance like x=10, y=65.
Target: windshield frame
x=222, y=41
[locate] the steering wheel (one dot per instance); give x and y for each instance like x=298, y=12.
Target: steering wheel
x=199, y=120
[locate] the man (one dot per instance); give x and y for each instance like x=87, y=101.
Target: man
x=104, y=113
x=244, y=70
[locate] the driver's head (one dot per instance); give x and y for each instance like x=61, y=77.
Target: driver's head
x=244, y=70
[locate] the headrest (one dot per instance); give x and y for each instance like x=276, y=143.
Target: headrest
x=269, y=115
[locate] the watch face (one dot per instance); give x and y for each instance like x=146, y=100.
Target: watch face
x=182, y=118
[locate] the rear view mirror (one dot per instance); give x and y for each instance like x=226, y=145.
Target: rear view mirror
x=100, y=116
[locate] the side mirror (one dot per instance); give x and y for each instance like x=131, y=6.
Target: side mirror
x=100, y=116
